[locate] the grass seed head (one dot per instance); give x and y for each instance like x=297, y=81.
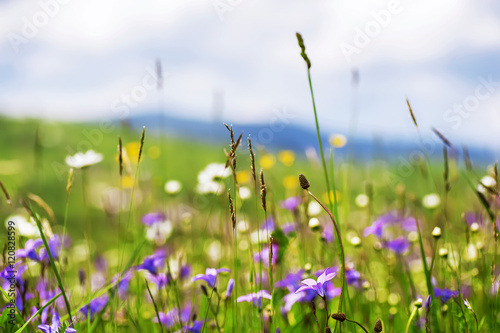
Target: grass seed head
x=304, y=183
x=339, y=316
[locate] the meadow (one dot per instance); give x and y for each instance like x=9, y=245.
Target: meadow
x=151, y=233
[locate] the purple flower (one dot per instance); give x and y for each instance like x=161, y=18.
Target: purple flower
x=153, y=262
x=152, y=218
x=95, y=306
x=54, y=328
x=290, y=203
x=185, y=271
x=195, y=327
x=288, y=228
x=256, y=298
x=264, y=255
x=399, y=245
x=377, y=227
x=230, y=286
x=291, y=281
x=445, y=294
x=210, y=275
x=174, y=316
x=160, y=279
x=327, y=234
x=123, y=284
x=55, y=246
x=352, y=276
x=317, y=286
x=268, y=225
x=29, y=250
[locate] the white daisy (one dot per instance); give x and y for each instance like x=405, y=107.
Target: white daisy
x=82, y=160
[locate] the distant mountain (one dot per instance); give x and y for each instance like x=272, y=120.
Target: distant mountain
x=278, y=136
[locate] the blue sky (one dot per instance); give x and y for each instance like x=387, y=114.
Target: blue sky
x=85, y=55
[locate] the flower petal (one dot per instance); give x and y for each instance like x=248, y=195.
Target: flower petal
x=309, y=282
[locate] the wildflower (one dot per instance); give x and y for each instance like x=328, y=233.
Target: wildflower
x=431, y=200
x=391, y=218
x=291, y=203
x=263, y=256
x=327, y=234
x=158, y=233
x=174, y=316
x=95, y=306
x=267, y=161
x=23, y=226
x=444, y=294
x=55, y=246
x=124, y=283
x=210, y=276
x=256, y=298
x=244, y=192
x=83, y=160
x=152, y=218
x=153, y=262
x=209, y=179
x=55, y=327
x=362, y=200
x=160, y=279
x=29, y=250
x=173, y=187
x=399, y=245
x=317, y=286
x=287, y=157
x=185, y=271
x=486, y=181
x=230, y=286
x=338, y=140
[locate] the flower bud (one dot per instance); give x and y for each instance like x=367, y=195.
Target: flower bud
x=339, y=316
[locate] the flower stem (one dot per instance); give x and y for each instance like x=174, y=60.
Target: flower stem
x=341, y=246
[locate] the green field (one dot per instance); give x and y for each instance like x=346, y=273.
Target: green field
x=384, y=278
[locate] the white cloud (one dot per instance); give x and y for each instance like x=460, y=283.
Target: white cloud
x=92, y=52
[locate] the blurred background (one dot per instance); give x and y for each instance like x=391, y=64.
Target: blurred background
x=185, y=67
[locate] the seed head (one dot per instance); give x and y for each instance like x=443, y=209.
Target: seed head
x=339, y=316
x=378, y=326
x=304, y=183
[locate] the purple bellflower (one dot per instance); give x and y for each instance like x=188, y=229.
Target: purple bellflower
x=54, y=328
x=317, y=286
x=210, y=276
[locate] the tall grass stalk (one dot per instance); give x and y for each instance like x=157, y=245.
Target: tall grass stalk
x=49, y=253
x=318, y=133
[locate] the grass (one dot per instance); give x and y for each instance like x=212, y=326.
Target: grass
x=205, y=232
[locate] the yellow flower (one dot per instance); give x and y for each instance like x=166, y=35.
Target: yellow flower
x=337, y=193
x=267, y=161
x=132, y=150
x=338, y=140
x=154, y=152
x=290, y=182
x=287, y=157
x=127, y=181
x=243, y=176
